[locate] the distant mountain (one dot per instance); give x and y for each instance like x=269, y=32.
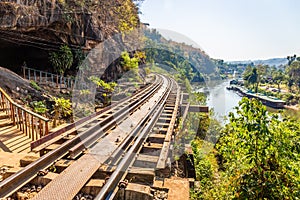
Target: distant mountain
x=271, y=62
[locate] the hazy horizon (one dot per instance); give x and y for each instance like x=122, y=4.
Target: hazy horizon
x=231, y=30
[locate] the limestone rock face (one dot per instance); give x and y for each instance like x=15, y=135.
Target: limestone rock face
x=17, y=16
x=66, y=21
x=31, y=29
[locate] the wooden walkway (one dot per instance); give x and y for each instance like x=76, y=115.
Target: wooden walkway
x=11, y=138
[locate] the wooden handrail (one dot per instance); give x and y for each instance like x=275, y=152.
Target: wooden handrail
x=32, y=113
x=5, y=95
x=42, y=76
x=32, y=124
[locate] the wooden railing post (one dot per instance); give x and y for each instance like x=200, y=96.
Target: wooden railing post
x=32, y=128
x=40, y=76
x=12, y=114
x=28, y=73
x=24, y=72
x=41, y=128
x=2, y=101
x=60, y=81
x=24, y=119
x=46, y=128
x=34, y=73
x=52, y=79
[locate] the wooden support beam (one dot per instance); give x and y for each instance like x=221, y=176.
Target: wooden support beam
x=196, y=108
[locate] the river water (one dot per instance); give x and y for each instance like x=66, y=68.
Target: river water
x=223, y=101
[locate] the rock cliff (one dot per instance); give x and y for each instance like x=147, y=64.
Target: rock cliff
x=30, y=29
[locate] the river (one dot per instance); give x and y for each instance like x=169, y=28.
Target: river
x=223, y=101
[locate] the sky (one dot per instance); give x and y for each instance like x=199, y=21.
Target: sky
x=231, y=29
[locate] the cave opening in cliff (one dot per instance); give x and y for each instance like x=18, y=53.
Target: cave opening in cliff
x=14, y=55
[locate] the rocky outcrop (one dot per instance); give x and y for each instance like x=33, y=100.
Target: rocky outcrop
x=72, y=22
x=19, y=17
x=18, y=88
x=31, y=29
x=49, y=22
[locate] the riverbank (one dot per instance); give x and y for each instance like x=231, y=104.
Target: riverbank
x=292, y=107
x=266, y=100
x=223, y=101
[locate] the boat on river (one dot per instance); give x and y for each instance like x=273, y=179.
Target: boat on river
x=266, y=100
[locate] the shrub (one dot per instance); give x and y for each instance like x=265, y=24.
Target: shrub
x=39, y=107
x=35, y=85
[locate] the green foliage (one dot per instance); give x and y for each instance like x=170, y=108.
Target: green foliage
x=147, y=70
x=61, y=60
x=128, y=18
x=79, y=57
x=35, y=86
x=252, y=78
x=39, y=107
x=208, y=127
x=293, y=71
x=140, y=55
x=129, y=63
x=85, y=92
x=61, y=108
x=189, y=62
x=291, y=59
x=277, y=77
x=109, y=87
x=200, y=97
x=205, y=166
x=259, y=154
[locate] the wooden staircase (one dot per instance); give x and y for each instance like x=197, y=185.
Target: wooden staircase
x=11, y=138
x=19, y=126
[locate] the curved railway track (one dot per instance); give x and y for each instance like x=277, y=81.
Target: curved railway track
x=110, y=146
x=151, y=123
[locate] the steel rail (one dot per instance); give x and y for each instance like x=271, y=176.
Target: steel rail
x=78, y=173
x=125, y=145
x=16, y=181
x=116, y=118
x=81, y=122
x=108, y=191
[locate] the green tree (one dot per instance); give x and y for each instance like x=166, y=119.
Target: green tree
x=127, y=13
x=129, y=63
x=278, y=77
x=293, y=70
x=204, y=163
x=260, y=154
x=61, y=108
x=291, y=59
x=107, y=87
x=252, y=78
x=61, y=60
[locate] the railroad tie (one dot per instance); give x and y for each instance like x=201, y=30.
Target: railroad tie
x=67, y=184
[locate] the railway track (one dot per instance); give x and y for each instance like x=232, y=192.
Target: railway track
x=156, y=132
x=110, y=147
